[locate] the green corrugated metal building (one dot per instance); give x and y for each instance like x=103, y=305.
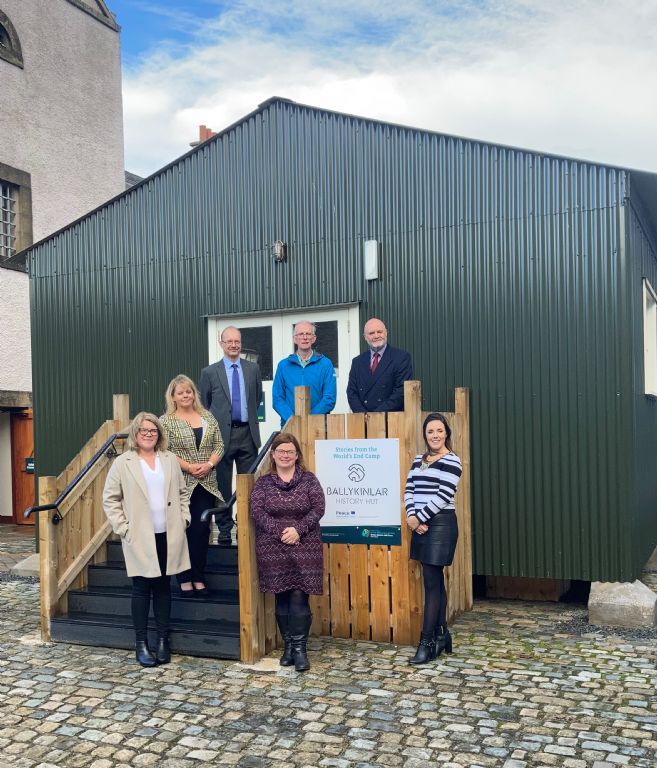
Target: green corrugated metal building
x=526, y=277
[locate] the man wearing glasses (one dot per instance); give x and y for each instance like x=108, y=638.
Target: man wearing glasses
x=304, y=368
x=231, y=390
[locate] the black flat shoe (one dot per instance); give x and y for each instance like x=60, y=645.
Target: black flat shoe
x=188, y=592
x=202, y=592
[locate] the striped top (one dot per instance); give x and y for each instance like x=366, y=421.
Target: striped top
x=431, y=491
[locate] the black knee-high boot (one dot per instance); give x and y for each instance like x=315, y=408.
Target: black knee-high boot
x=287, y=659
x=299, y=626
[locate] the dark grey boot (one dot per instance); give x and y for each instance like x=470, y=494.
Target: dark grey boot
x=163, y=653
x=287, y=659
x=426, y=650
x=144, y=655
x=299, y=627
x=443, y=640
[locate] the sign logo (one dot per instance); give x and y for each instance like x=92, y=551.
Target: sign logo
x=356, y=473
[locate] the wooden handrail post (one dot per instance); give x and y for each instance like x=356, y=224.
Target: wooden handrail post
x=121, y=409
x=252, y=606
x=47, y=555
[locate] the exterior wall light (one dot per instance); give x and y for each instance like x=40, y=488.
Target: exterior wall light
x=279, y=250
x=371, y=259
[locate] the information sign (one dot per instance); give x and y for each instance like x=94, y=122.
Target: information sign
x=360, y=479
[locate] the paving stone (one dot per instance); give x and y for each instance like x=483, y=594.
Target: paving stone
x=528, y=685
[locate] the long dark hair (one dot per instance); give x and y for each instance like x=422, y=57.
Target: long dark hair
x=448, y=440
x=280, y=439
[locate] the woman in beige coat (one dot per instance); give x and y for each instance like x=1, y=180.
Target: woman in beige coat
x=147, y=503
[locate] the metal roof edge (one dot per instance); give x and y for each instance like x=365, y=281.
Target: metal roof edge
x=282, y=100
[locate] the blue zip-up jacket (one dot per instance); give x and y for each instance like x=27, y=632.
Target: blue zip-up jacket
x=318, y=374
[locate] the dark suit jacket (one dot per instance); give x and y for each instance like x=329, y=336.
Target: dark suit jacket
x=385, y=390
x=215, y=396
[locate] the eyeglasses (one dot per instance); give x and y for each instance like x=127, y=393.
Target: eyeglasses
x=304, y=335
x=148, y=432
x=280, y=452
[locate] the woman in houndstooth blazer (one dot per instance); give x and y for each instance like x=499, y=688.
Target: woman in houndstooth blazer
x=195, y=439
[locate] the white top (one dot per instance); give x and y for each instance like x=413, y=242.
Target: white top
x=157, y=499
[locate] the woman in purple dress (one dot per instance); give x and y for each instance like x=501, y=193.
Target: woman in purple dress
x=287, y=504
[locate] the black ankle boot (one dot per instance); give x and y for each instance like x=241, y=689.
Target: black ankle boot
x=287, y=659
x=443, y=641
x=143, y=654
x=426, y=650
x=299, y=627
x=163, y=653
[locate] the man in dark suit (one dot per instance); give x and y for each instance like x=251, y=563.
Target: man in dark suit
x=376, y=378
x=231, y=390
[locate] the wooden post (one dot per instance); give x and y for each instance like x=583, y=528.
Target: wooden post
x=47, y=555
x=464, y=511
x=121, y=410
x=252, y=606
x=413, y=443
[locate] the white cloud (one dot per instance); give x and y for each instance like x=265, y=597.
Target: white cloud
x=569, y=77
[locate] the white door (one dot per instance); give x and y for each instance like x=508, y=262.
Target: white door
x=267, y=338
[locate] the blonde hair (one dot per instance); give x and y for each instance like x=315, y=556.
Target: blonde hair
x=162, y=442
x=280, y=439
x=178, y=381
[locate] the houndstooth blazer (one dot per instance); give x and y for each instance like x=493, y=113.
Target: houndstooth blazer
x=183, y=443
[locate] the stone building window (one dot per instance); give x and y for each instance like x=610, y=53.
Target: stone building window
x=15, y=211
x=8, y=212
x=10, y=45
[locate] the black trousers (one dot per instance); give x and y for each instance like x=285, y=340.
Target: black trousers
x=160, y=590
x=241, y=451
x=198, y=535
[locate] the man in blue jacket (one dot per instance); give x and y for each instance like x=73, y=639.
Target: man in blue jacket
x=304, y=368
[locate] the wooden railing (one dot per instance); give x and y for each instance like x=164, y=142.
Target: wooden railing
x=67, y=548
x=371, y=592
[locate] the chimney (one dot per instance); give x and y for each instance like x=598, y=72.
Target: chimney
x=204, y=133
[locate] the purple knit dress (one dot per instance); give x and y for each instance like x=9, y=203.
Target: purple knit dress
x=276, y=505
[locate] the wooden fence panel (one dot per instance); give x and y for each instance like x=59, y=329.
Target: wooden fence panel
x=359, y=558
x=336, y=562
x=379, y=558
x=375, y=591
x=400, y=574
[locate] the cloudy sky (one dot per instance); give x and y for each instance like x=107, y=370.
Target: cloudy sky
x=572, y=77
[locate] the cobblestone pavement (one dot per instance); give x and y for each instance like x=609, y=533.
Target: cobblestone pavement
x=528, y=685
x=16, y=543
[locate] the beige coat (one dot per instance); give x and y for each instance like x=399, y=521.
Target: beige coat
x=125, y=501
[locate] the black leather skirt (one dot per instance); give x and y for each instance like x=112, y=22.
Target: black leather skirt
x=437, y=545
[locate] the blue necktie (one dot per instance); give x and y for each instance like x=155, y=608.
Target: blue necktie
x=236, y=400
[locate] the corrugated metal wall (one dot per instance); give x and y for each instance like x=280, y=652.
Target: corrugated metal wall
x=502, y=270
x=644, y=501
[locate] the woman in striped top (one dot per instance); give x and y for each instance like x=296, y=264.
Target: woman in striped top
x=430, y=514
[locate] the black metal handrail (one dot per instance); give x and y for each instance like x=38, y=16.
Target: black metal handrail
x=107, y=449
x=208, y=513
